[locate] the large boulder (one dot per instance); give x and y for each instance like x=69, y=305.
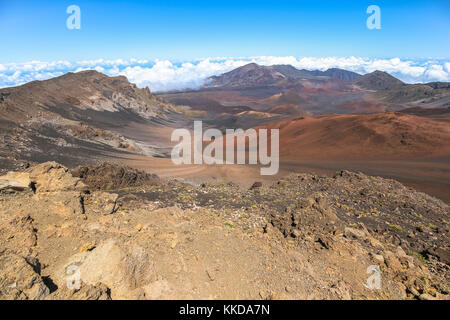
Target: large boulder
x=52, y=176
x=109, y=264
x=55, y=186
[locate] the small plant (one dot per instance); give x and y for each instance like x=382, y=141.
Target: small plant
x=420, y=257
x=395, y=227
x=185, y=197
x=229, y=224
x=432, y=226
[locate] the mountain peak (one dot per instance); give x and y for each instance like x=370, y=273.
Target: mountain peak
x=342, y=74
x=85, y=90
x=378, y=80
x=254, y=75
x=89, y=75
x=249, y=75
x=251, y=65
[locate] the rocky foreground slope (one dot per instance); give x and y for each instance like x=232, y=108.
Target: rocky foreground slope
x=63, y=236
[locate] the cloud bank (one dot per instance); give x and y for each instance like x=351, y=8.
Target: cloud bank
x=163, y=75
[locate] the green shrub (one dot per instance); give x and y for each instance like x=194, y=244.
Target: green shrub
x=419, y=256
x=395, y=227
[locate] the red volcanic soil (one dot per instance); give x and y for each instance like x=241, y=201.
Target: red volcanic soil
x=361, y=107
x=289, y=109
x=357, y=137
x=414, y=150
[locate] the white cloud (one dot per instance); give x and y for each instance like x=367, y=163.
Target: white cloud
x=162, y=75
x=437, y=72
x=447, y=66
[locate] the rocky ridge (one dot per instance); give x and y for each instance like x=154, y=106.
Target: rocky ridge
x=74, y=115
x=305, y=237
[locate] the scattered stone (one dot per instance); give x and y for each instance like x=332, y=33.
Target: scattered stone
x=296, y=233
x=352, y=233
x=173, y=243
x=413, y=291
x=426, y=296
x=210, y=274
x=100, y=202
x=442, y=254
x=87, y=247
x=15, y=181
x=324, y=242
x=375, y=243
x=256, y=185
x=392, y=262
x=378, y=258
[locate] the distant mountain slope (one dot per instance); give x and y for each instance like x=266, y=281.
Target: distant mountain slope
x=378, y=80
x=337, y=74
x=290, y=72
x=391, y=89
x=427, y=92
x=252, y=75
x=263, y=88
x=75, y=116
x=86, y=90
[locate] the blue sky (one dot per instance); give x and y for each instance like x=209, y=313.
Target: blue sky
x=183, y=30
x=171, y=44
